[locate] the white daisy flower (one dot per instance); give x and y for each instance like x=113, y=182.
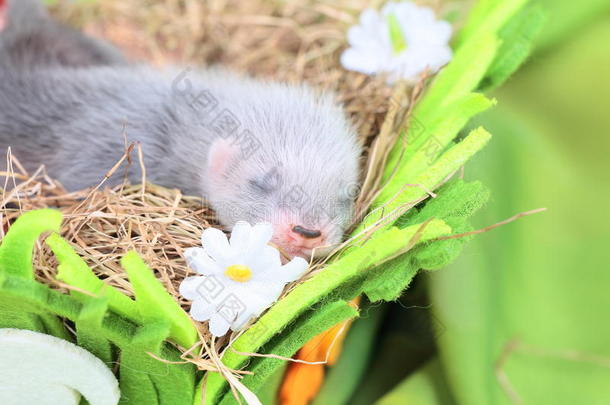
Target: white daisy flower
x=240, y=278
x=402, y=40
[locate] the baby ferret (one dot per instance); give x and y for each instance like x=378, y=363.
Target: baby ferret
x=256, y=150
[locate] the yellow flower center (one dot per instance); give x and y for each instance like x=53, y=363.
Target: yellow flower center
x=239, y=272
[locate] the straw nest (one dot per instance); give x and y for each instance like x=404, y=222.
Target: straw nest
x=293, y=41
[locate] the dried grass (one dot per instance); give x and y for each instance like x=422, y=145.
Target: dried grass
x=103, y=224
x=291, y=40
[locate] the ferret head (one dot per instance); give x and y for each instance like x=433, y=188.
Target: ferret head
x=293, y=162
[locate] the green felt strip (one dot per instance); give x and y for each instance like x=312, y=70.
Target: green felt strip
x=137, y=367
x=387, y=281
x=517, y=37
x=174, y=383
x=13, y=316
x=197, y=400
x=456, y=199
x=292, y=339
x=449, y=162
x=446, y=122
x=488, y=17
x=16, y=253
x=89, y=332
x=455, y=203
x=15, y=319
x=143, y=379
x=478, y=12
x=29, y=312
x=374, y=251
x=460, y=77
x=268, y=393
x=177, y=387
x=54, y=326
x=153, y=301
x=424, y=149
x=455, y=82
x=74, y=271
x=18, y=244
x=136, y=387
x=32, y=297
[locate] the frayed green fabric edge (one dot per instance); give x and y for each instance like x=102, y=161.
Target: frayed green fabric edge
x=108, y=334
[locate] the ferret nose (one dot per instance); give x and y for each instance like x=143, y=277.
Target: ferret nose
x=306, y=233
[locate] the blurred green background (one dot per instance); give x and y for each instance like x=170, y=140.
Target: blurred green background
x=523, y=316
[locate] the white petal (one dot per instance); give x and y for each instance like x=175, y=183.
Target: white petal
x=357, y=36
x=264, y=261
x=201, y=310
x=370, y=19
x=216, y=244
x=293, y=270
x=359, y=61
x=252, y=311
x=273, y=290
x=198, y=260
x=189, y=286
x=240, y=322
x=255, y=305
x=261, y=235
x=218, y=325
x=443, y=32
x=240, y=236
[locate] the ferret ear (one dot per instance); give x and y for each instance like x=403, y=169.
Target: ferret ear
x=3, y=14
x=221, y=156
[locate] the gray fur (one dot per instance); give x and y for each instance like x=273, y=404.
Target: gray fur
x=31, y=39
x=293, y=154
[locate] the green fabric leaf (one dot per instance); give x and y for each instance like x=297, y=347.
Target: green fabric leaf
x=154, y=302
x=387, y=281
x=447, y=163
x=517, y=37
x=429, y=141
x=455, y=203
x=488, y=17
x=25, y=303
x=460, y=77
x=171, y=383
x=74, y=271
x=89, y=334
x=29, y=296
x=18, y=244
x=268, y=393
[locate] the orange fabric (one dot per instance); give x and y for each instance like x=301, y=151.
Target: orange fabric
x=302, y=382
